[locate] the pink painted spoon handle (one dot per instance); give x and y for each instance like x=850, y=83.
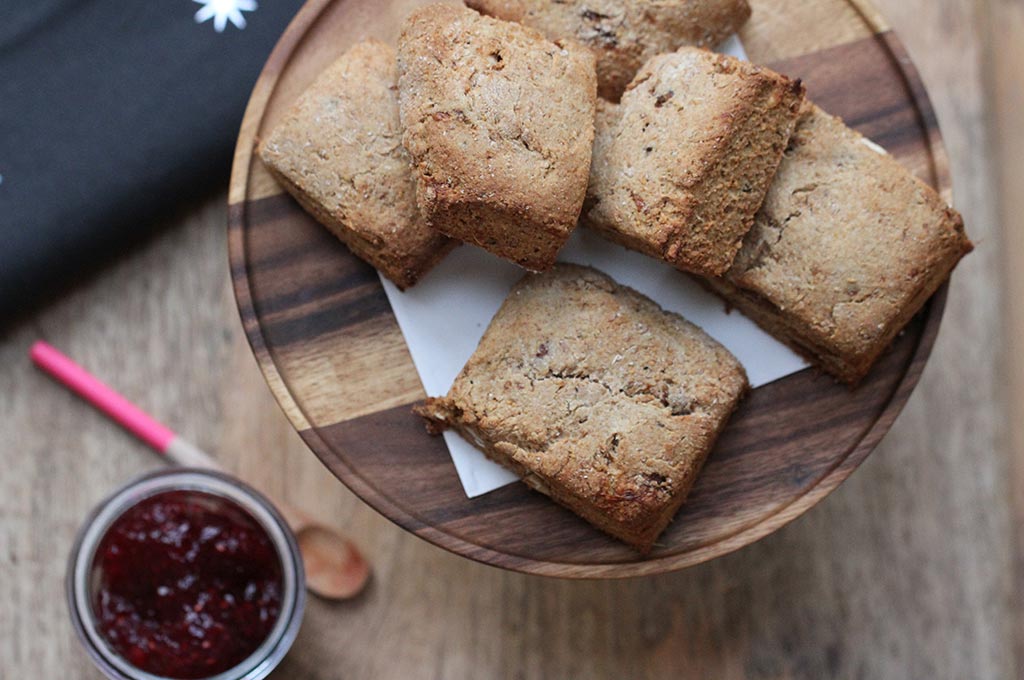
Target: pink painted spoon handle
x=130, y=416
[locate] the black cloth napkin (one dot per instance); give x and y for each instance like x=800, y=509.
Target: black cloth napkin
x=111, y=113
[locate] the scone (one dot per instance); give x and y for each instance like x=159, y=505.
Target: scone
x=682, y=164
x=338, y=151
x=595, y=396
x=846, y=249
x=499, y=123
x=624, y=34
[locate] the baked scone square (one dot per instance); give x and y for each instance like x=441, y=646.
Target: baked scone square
x=500, y=124
x=846, y=249
x=338, y=151
x=595, y=396
x=682, y=164
x=623, y=34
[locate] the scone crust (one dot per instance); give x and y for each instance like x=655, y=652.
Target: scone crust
x=682, y=164
x=338, y=151
x=610, y=405
x=624, y=34
x=846, y=249
x=500, y=124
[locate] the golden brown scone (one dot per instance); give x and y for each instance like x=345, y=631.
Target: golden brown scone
x=500, y=124
x=624, y=34
x=595, y=396
x=338, y=151
x=846, y=249
x=682, y=164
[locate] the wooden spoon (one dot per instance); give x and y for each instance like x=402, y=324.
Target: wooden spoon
x=335, y=569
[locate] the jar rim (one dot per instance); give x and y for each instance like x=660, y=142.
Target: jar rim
x=293, y=592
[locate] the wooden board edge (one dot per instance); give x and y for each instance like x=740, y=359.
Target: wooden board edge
x=927, y=117
x=250, y=322
x=293, y=34
x=872, y=17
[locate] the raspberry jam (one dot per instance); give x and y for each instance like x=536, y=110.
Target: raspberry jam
x=185, y=584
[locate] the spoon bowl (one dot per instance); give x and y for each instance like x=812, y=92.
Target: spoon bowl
x=334, y=568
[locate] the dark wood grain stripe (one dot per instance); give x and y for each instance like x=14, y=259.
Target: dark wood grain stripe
x=856, y=82
x=305, y=282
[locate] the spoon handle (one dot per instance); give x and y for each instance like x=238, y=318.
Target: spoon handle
x=144, y=426
x=154, y=433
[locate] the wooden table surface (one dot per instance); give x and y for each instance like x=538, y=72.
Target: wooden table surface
x=910, y=570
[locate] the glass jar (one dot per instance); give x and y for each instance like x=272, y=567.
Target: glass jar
x=80, y=588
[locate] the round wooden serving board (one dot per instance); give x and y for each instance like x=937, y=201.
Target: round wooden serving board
x=325, y=337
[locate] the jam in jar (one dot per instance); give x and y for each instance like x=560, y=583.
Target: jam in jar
x=186, y=585
x=186, y=574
